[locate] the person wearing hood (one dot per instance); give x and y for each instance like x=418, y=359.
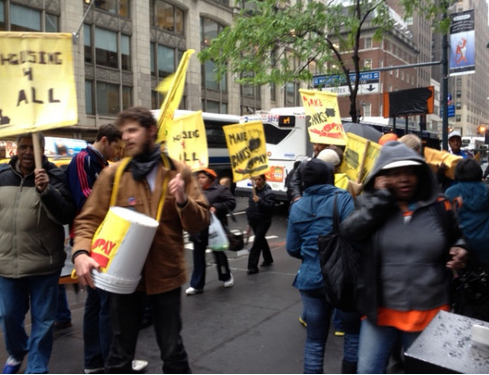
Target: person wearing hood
x=310, y=217
x=411, y=241
x=221, y=201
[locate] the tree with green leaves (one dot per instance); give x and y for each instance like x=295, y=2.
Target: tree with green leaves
x=272, y=42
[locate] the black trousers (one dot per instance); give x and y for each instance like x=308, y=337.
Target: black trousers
x=260, y=244
x=126, y=315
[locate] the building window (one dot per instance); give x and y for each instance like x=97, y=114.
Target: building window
x=24, y=19
x=459, y=93
x=214, y=107
x=52, y=23
x=89, y=98
x=292, y=94
x=126, y=97
x=87, y=40
x=273, y=92
x=108, y=99
x=119, y=7
x=368, y=43
x=459, y=82
x=2, y=17
x=459, y=105
x=167, y=17
x=106, y=50
x=165, y=61
x=223, y=2
x=210, y=29
x=367, y=63
x=367, y=109
x=458, y=118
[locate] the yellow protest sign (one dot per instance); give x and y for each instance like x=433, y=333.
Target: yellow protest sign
x=173, y=87
x=247, y=149
x=186, y=141
x=436, y=157
x=37, y=82
x=326, y=126
x=359, y=157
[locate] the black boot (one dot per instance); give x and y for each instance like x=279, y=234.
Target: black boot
x=348, y=367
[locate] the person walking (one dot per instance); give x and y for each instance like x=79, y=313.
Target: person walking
x=82, y=172
x=310, y=217
x=34, y=204
x=259, y=214
x=221, y=201
x=411, y=241
x=147, y=178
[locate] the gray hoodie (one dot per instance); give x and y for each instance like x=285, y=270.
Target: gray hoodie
x=404, y=257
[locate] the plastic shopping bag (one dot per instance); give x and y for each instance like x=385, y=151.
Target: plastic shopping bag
x=218, y=240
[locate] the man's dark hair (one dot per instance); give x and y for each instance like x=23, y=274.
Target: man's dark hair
x=110, y=132
x=42, y=141
x=468, y=170
x=141, y=115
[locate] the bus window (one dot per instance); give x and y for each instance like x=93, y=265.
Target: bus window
x=274, y=135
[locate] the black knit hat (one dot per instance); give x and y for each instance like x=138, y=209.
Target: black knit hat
x=317, y=172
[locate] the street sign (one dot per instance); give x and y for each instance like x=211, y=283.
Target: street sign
x=369, y=83
x=451, y=111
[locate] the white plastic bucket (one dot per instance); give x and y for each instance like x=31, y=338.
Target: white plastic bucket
x=121, y=245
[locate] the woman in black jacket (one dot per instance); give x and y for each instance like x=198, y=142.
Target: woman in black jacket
x=259, y=213
x=221, y=201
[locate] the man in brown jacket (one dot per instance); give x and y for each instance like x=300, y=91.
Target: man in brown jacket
x=164, y=272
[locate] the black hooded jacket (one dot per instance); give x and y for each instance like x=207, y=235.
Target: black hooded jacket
x=404, y=259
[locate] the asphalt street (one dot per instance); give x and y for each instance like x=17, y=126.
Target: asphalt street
x=251, y=328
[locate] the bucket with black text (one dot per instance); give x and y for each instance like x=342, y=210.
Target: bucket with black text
x=120, y=245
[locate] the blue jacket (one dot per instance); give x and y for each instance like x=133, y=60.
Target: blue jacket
x=82, y=173
x=310, y=217
x=473, y=216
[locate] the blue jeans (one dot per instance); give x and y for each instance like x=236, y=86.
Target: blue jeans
x=63, y=313
x=350, y=322
x=15, y=294
x=126, y=315
x=376, y=343
x=96, y=328
x=318, y=312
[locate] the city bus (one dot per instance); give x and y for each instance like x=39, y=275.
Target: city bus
x=216, y=141
x=476, y=145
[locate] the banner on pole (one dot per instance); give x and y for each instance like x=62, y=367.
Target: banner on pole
x=38, y=89
x=326, y=126
x=186, y=141
x=462, y=43
x=247, y=149
x=173, y=86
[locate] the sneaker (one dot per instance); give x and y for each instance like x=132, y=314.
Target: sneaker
x=339, y=333
x=12, y=366
x=192, y=291
x=229, y=283
x=302, y=321
x=98, y=370
x=139, y=365
x=59, y=325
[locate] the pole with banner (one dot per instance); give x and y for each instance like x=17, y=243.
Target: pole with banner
x=173, y=86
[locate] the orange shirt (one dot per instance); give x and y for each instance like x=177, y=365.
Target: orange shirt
x=408, y=321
